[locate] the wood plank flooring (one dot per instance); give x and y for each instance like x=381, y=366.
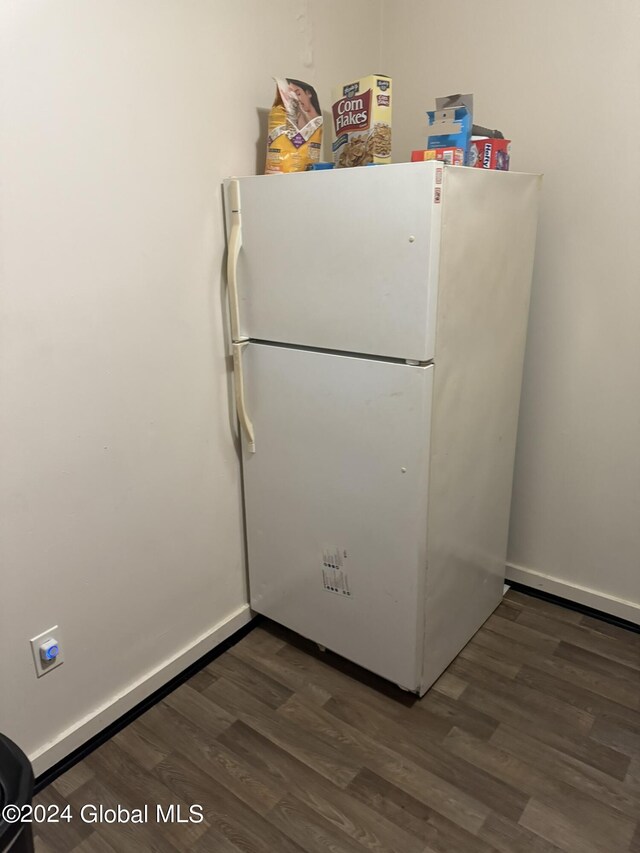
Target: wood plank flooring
x=529, y=743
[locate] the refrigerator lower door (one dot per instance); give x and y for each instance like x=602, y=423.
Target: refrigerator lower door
x=336, y=502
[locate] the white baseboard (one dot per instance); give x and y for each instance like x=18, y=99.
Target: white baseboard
x=628, y=610
x=92, y=724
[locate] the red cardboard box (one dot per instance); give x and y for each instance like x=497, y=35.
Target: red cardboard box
x=450, y=156
x=490, y=154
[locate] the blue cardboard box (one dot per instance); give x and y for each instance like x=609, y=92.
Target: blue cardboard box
x=450, y=128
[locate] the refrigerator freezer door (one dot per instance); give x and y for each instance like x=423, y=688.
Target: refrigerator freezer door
x=336, y=498
x=341, y=260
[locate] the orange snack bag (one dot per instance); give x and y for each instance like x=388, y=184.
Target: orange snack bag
x=295, y=128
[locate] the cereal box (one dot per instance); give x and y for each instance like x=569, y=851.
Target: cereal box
x=449, y=128
x=362, y=122
x=450, y=156
x=490, y=154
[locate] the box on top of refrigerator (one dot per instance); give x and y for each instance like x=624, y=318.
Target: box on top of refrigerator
x=490, y=154
x=362, y=121
x=449, y=128
x=450, y=156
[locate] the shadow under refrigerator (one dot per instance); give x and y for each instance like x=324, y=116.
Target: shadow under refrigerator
x=379, y=321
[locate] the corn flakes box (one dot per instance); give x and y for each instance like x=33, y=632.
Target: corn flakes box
x=361, y=113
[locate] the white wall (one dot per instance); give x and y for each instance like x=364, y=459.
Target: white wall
x=561, y=79
x=119, y=479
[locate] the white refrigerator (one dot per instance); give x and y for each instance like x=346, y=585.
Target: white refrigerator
x=379, y=320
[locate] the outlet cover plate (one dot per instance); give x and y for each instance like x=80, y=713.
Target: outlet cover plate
x=43, y=667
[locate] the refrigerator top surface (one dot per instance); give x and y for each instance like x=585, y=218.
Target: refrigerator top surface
x=426, y=166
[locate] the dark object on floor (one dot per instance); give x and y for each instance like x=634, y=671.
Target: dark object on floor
x=16, y=789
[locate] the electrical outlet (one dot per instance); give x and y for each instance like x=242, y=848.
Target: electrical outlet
x=47, y=651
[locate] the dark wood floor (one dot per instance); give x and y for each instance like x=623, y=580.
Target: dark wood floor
x=529, y=743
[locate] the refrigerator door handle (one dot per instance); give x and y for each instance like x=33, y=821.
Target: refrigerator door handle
x=235, y=244
x=241, y=407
